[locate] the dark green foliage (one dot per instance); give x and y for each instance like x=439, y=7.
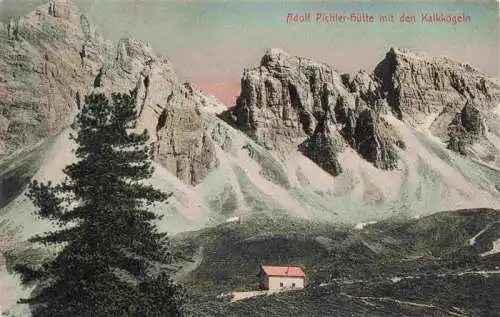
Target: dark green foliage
x=471, y=293
x=349, y=272
x=113, y=259
x=441, y=235
x=468, y=295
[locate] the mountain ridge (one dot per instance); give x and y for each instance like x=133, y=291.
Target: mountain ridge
x=343, y=119
x=303, y=141
x=313, y=95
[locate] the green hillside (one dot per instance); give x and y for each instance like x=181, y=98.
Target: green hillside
x=433, y=253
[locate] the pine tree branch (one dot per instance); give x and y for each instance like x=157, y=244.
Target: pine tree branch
x=45, y=198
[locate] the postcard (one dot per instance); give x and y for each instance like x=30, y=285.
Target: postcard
x=249, y=158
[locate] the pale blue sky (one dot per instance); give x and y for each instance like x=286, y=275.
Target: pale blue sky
x=210, y=42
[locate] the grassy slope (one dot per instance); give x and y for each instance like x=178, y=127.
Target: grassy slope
x=452, y=296
x=417, y=247
x=438, y=235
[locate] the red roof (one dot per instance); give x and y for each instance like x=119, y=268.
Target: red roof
x=290, y=271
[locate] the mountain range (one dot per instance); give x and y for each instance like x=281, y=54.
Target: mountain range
x=417, y=135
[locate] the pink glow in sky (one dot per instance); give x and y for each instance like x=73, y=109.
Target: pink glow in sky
x=225, y=92
x=211, y=42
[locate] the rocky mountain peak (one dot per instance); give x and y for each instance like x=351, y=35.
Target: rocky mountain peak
x=441, y=80
x=428, y=91
x=48, y=61
x=406, y=55
x=274, y=57
x=53, y=57
x=174, y=112
x=132, y=55
x=289, y=103
x=64, y=9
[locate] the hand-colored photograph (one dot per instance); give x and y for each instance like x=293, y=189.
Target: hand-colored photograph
x=168, y=158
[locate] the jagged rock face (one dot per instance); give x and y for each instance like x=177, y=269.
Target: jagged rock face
x=184, y=146
x=282, y=100
x=429, y=91
x=472, y=120
x=60, y=9
x=372, y=137
x=42, y=75
x=466, y=128
x=174, y=113
x=322, y=148
x=458, y=139
x=369, y=90
x=53, y=57
x=289, y=101
x=422, y=87
x=277, y=105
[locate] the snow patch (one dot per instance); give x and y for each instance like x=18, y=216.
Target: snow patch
x=361, y=225
x=494, y=250
x=472, y=241
x=497, y=109
x=233, y=219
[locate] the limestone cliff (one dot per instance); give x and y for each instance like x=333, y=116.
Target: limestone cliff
x=291, y=102
x=419, y=86
x=48, y=60
x=430, y=92
x=173, y=112
x=51, y=58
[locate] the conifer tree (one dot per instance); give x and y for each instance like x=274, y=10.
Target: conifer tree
x=112, y=259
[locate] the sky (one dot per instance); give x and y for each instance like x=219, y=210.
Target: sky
x=211, y=42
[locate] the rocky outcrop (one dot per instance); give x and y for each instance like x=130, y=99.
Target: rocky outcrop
x=322, y=148
x=291, y=102
x=184, y=146
x=53, y=57
x=428, y=91
x=369, y=90
x=372, y=137
x=60, y=9
x=41, y=72
x=422, y=88
x=174, y=113
x=465, y=129
x=471, y=119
